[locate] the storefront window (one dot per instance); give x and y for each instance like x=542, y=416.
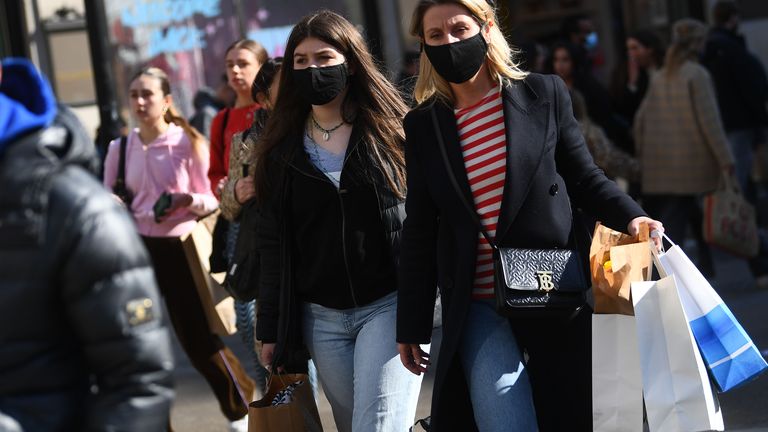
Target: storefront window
x=187, y=38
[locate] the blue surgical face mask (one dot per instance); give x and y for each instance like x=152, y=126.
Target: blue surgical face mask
x=591, y=41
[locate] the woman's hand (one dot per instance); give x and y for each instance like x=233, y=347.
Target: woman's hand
x=267, y=353
x=179, y=200
x=220, y=186
x=413, y=358
x=244, y=189
x=653, y=225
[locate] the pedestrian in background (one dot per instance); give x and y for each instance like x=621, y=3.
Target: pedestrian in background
x=645, y=55
x=742, y=93
x=239, y=190
x=242, y=59
x=206, y=107
x=570, y=65
x=83, y=346
x=515, y=149
x=406, y=79
x=330, y=181
x=165, y=155
x=616, y=163
x=680, y=139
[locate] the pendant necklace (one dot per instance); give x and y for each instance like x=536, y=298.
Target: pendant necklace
x=319, y=160
x=326, y=132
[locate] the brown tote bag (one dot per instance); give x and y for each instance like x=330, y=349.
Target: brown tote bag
x=217, y=303
x=298, y=415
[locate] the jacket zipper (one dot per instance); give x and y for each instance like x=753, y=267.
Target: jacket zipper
x=339, y=192
x=344, y=243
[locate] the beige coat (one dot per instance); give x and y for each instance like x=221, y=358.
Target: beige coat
x=679, y=135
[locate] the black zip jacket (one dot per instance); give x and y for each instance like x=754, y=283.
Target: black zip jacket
x=337, y=248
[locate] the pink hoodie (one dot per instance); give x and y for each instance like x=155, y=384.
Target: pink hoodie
x=165, y=164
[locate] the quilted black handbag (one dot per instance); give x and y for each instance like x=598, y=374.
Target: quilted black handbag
x=528, y=282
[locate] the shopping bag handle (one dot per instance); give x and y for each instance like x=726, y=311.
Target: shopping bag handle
x=728, y=182
x=663, y=236
x=655, y=254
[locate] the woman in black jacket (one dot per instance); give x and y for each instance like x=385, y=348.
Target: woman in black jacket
x=514, y=148
x=330, y=180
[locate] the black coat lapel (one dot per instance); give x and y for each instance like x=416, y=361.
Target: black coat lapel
x=447, y=121
x=526, y=119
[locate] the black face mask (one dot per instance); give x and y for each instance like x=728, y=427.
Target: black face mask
x=459, y=61
x=321, y=85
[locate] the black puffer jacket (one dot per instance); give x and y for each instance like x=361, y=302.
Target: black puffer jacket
x=82, y=346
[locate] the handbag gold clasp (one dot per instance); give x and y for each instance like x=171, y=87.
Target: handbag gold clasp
x=545, y=280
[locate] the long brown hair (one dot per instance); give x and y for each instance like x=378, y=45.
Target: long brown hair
x=199, y=143
x=501, y=58
x=371, y=102
x=688, y=35
x=256, y=48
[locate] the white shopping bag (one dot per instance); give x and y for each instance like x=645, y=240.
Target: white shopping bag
x=728, y=352
x=617, y=387
x=678, y=394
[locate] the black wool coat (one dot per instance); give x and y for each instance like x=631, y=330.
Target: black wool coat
x=549, y=170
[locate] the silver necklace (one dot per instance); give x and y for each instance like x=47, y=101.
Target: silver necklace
x=326, y=132
x=319, y=160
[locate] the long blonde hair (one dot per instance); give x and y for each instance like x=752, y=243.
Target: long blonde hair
x=501, y=58
x=199, y=143
x=688, y=35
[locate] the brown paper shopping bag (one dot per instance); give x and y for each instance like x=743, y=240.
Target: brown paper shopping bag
x=616, y=260
x=299, y=414
x=217, y=303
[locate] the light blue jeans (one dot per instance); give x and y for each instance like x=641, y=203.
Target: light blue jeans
x=359, y=367
x=496, y=373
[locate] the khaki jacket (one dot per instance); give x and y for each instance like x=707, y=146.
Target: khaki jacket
x=679, y=134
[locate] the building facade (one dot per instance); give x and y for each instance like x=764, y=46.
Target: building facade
x=187, y=38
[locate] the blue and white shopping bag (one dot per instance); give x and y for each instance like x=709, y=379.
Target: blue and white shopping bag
x=731, y=356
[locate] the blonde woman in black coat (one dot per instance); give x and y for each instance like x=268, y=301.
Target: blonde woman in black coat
x=513, y=145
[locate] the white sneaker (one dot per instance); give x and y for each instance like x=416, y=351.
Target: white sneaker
x=239, y=425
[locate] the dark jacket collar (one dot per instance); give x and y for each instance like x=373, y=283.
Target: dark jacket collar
x=291, y=153
x=526, y=127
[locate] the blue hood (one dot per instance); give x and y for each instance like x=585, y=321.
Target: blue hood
x=27, y=102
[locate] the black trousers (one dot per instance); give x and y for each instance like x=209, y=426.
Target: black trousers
x=560, y=369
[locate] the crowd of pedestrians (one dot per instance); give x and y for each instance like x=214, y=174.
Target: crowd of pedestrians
x=361, y=215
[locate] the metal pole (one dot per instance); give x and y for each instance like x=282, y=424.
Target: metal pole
x=17, y=28
x=104, y=82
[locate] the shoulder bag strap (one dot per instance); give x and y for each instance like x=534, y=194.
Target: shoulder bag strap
x=121, y=163
x=463, y=198
x=470, y=207
x=224, y=122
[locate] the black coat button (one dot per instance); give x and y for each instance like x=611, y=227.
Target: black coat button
x=553, y=189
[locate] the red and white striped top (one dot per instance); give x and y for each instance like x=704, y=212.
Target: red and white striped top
x=484, y=147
